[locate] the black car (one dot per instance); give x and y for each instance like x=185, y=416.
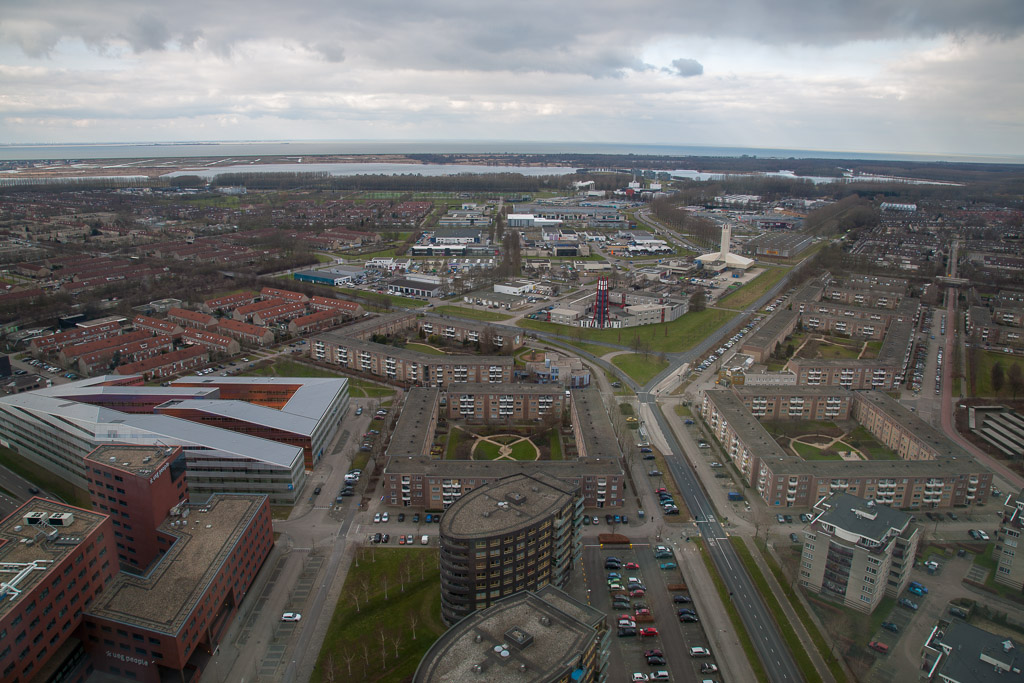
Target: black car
x=626, y=631
x=317, y=490
x=416, y=518
x=401, y=516
x=376, y=538
x=689, y=618
x=687, y=610
x=789, y=519
x=385, y=538
x=889, y=626
x=608, y=519
x=654, y=660
x=681, y=598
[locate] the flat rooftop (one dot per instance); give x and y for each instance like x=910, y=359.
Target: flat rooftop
x=542, y=643
x=505, y=505
x=595, y=425
x=503, y=388
x=856, y=516
x=415, y=429
x=163, y=600
x=138, y=460
x=12, y=549
x=494, y=469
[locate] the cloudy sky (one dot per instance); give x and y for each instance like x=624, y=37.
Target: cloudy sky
x=932, y=76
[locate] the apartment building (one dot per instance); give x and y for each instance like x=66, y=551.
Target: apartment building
x=406, y=366
x=788, y=402
x=518, y=533
x=475, y=402
x=857, y=551
x=466, y=331
x=547, y=633
x=936, y=473
x=1010, y=570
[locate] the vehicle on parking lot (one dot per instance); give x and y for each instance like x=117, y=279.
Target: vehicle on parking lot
x=646, y=449
x=716, y=464
x=686, y=610
x=385, y=538
x=640, y=677
x=904, y=602
x=699, y=651
x=429, y=518
x=649, y=632
x=627, y=623
x=586, y=520
x=659, y=676
x=653, y=653
x=952, y=516
x=615, y=586
x=401, y=540
x=631, y=565
x=669, y=565
x=919, y=586
x=384, y=517
x=654, y=473
x=637, y=593
x=788, y=518
x=656, y=660
x=794, y=538
x=958, y=612
x=805, y=518
x=780, y=519
x=662, y=551
x=879, y=646
x=291, y=616
x=359, y=410
x=376, y=518
x=401, y=516
x=376, y=537
x=889, y=626
x=416, y=517
x=626, y=632
x=689, y=618
x=681, y=598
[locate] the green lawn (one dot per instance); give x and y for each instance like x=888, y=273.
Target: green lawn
x=678, y=335
x=683, y=411
x=44, y=479
x=472, y=313
x=638, y=367
x=626, y=408
x=838, y=352
x=809, y=452
x=486, y=450
x=361, y=388
x=425, y=348
x=982, y=374
x=556, y=445
x=523, y=450
x=366, y=610
x=595, y=349
x=289, y=368
x=865, y=442
x=753, y=290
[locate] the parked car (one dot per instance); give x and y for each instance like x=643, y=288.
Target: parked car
x=669, y=565
x=889, y=626
x=688, y=618
x=659, y=676
x=376, y=518
x=904, y=602
x=631, y=565
x=656, y=660
x=681, y=599
x=919, y=586
x=699, y=651
x=401, y=516
x=291, y=616
x=879, y=646
x=626, y=632
x=640, y=677
x=958, y=612
x=649, y=632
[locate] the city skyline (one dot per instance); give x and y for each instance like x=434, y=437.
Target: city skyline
x=932, y=78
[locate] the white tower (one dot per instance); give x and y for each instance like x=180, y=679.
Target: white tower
x=726, y=238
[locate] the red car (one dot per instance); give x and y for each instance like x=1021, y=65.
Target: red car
x=638, y=593
x=661, y=490
x=643, y=612
x=649, y=632
x=632, y=565
x=654, y=653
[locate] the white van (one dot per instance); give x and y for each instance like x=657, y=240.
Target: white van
x=424, y=539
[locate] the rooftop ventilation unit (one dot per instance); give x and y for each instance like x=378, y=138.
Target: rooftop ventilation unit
x=62, y=519
x=35, y=517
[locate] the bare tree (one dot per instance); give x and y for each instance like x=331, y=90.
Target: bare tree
x=364, y=585
x=366, y=652
x=413, y=618
x=423, y=564
x=396, y=640
x=383, y=637
x=384, y=580
x=348, y=657
x=329, y=674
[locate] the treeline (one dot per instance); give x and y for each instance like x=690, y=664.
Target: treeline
x=850, y=213
x=410, y=182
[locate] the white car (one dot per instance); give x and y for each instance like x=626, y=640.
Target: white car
x=291, y=616
x=376, y=518
x=639, y=677
x=384, y=518
x=698, y=651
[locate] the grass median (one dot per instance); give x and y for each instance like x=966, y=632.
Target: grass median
x=734, y=616
x=789, y=634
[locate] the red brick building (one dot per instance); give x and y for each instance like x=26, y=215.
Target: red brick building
x=253, y=335
x=157, y=326
x=52, y=342
x=167, y=364
x=211, y=341
x=191, y=319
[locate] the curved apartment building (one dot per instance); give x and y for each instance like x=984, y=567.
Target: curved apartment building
x=518, y=533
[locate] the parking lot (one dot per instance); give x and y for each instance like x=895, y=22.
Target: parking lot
x=652, y=606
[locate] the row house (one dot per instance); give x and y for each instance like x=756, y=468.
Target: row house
x=192, y=319
x=58, y=340
x=230, y=302
x=99, y=361
x=212, y=341
x=167, y=364
x=157, y=326
x=71, y=353
x=252, y=335
x=285, y=311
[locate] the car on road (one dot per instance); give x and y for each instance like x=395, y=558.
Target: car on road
x=889, y=626
x=905, y=602
x=317, y=490
x=669, y=565
x=291, y=616
x=708, y=668
x=699, y=651
x=649, y=632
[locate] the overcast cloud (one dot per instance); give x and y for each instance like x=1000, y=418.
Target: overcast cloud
x=937, y=76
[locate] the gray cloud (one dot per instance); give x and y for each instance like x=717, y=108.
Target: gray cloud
x=332, y=52
x=686, y=67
